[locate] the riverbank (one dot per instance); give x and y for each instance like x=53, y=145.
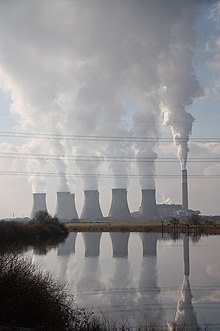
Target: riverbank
x=163, y=227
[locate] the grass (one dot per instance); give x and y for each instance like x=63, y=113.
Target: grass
x=137, y=226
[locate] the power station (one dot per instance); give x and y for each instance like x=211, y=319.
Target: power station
x=119, y=210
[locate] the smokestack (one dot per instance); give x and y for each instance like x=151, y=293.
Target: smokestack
x=184, y=191
x=120, y=243
x=92, y=243
x=91, y=207
x=148, y=209
x=119, y=206
x=66, y=209
x=39, y=203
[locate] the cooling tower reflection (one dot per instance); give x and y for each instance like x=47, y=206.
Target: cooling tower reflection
x=149, y=305
x=119, y=243
x=92, y=243
x=90, y=277
x=64, y=251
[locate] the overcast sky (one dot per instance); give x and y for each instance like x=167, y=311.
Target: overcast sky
x=116, y=70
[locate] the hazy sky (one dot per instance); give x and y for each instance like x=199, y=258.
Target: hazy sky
x=80, y=81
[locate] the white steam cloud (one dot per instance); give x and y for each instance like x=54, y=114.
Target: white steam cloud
x=71, y=66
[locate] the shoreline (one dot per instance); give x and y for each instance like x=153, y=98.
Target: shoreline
x=205, y=229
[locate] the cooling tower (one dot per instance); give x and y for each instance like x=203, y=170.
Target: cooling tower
x=39, y=203
x=92, y=243
x=184, y=191
x=149, y=243
x=91, y=208
x=119, y=206
x=148, y=209
x=65, y=209
x=120, y=243
x=75, y=214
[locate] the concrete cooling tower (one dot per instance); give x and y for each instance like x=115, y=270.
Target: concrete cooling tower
x=120, y=243
x=66, y=209
x=184, y=191
x=39, y=203
x=91, y=207
x=92, y=243
x=148, y=209
x=119, y=207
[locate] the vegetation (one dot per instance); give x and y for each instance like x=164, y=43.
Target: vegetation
x=42, y=228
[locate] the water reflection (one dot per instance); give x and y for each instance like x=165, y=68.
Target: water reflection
x=120, y=243
x=137, y=276
x=92, y=243
x=64, y=251
x=149, y=304
x=90, y=277
x=185, y=316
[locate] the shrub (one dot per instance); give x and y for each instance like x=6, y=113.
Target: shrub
x=32, y=299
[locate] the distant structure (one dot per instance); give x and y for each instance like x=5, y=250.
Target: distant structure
x=148, y=210
x=39, y=203
x=91, y=207
x=119, y=209
x=168, y=210
x=66, y=209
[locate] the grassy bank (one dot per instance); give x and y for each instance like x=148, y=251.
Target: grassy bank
x=145, y=227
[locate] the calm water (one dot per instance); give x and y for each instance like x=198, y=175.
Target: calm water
x=141, y=276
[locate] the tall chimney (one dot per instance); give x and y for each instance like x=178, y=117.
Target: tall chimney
x=92, y=243
x=91, y=207
x=148, y=209
x=65, y=209
x=120, y=243
x=119, y=206
x=184, y=191
x=39, y=203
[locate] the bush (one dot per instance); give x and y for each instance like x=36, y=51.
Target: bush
x=43, y=227
x=32, y=299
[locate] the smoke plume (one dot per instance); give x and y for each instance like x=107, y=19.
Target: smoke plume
x=71, y=66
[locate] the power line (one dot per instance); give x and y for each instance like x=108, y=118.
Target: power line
x=89, y=158
x=100, y=175
x=102, y=137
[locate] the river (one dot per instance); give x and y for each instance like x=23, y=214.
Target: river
x=140, y=278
